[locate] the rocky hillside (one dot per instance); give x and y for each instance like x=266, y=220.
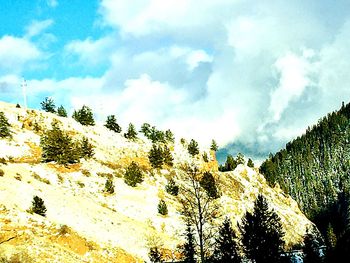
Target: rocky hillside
x=83, y=223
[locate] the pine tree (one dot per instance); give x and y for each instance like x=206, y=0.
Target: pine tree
x=61, y=111
x=250, y=163
x=214, y=147
x=162, y=208
x=189, y=246
x=38, y=206
x=86, y=148
x=155, y=156
x=131, y=134
x=205, y=157
x=172, y=188
x=226, y=248
x=193, y=148
x=240, y=159
x=48, y=105
x=109, y=186
x=168, y=158
x=4, y=126
x=146, y=129
x=262, y=233
x=84, y=116
x=209, y=185
x=111, y=124
x=311, y=248
x=169, y=136
x=133, y=175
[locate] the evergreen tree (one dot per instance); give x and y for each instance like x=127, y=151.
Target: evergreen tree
x=226, y=248
x=86, y=148
x=133, y=175
x=155, y=156
x=109, y=186
x=209, y=185
x=169, y=136
x=240, y=159
x=168, y=158
x=230, y=164
x=205, y=157
x=146, y=129
x=111, y=124
x=193, y=148
x=4, y=126
x=84, y=116
x=59, y=147
x=250, y=163
x=48, y=105
x=311, y=248
x=162, y=208
x=262, y=233
x=189, y=246
x=61, y=111
x=172, y=188
x=38, y=206
x=214, y=147
x=131, y=134
x=154, y=255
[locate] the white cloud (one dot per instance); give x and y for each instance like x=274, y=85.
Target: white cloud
x=52, y=3
x=37, y=27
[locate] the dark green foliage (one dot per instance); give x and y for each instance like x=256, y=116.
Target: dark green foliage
x=250, y=163
x=61, y=111
x=314, y=167
x=109, y=186
x=208, y=183
x=111, y=124
x=4, y=126
x=86, y=148
x=230, y=164
x=155, y=255
x=146, y=129
x=226, y=248
x=205, y=157
x=162, y=208
x=214, y=147
x=193, y=148
x=48, y=105
x=84, y=116
x=169, y=136
x=172, y=188
x=183, y=141
x=167, y=156
x=18, y=106
x=131, y=134
x=155, y=156
x=311, y=249
x=58, y=146
x=240, y=159
x=189, y=246
x=38, y=206
x=262, y=233
x=133, y=175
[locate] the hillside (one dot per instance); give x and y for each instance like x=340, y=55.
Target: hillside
x=83, y=223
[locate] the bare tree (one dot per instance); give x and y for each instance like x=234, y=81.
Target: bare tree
x=199, y=210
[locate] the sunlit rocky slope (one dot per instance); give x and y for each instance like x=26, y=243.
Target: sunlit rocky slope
x=85, y=224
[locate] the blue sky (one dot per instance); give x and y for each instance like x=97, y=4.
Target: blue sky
x=250, y=74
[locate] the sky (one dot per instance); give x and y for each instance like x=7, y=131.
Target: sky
x=250, y=74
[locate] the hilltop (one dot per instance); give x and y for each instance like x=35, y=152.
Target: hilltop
x=83, y=223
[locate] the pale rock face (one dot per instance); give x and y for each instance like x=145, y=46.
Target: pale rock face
x=126, y=222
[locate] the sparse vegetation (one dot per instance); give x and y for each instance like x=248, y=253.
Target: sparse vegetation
x=2, y=173
x=109, y=186
x=133, y=175
x=84, y=116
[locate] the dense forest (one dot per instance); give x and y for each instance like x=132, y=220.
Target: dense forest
x=315, y=170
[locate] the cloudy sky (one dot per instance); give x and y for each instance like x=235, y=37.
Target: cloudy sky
x=250, y=74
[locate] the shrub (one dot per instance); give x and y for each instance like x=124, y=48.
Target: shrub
x=133, y=175
x=162, y=208
x=109, y=186
x=172, y=188
x=111, y=124
x=4, y=126
x=84, y=116
x=61, y=111
x=193, y=148
x=2, y=173
x=58, y=146
x=38, y=206
x=48, y=105
x=18, y=106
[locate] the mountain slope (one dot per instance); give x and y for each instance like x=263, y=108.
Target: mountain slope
x=118, y=227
